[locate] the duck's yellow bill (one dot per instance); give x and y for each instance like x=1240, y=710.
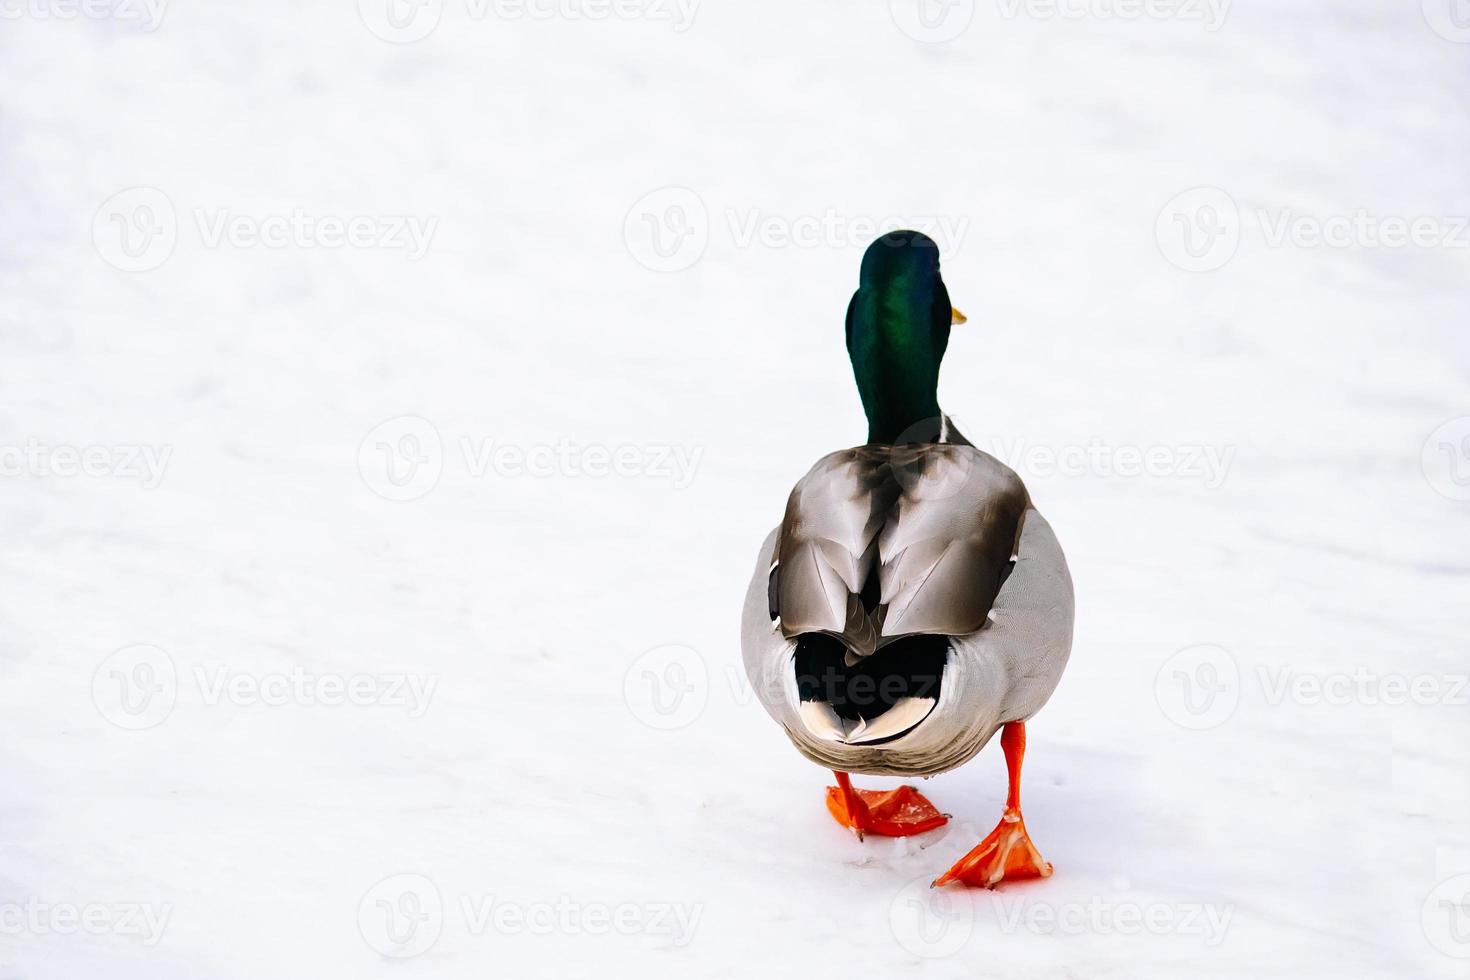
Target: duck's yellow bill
x=956, y=317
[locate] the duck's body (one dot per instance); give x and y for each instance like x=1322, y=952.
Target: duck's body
x=929, y=531
x=912, y=601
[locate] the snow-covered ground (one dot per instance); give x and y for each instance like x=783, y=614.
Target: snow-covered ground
x=370, y=607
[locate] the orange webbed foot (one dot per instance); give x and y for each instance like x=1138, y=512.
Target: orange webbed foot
x=1006, y=855
x=898, y=812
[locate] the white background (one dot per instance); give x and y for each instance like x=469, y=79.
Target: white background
x=558, y=761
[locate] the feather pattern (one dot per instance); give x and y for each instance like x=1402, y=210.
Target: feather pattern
x=924, y=532
x=883, y=542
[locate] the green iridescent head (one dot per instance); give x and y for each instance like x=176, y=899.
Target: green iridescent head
x=897, y=331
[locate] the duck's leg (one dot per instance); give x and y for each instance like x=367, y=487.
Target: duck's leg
x=888, y=813
x=1007, y=854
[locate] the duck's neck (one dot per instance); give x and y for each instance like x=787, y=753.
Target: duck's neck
x=906, y=422
x=897, y=374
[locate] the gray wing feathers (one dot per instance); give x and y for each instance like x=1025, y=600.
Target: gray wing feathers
x=884, y=542
x=1030, y=634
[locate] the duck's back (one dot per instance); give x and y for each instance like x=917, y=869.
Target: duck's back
x=882, y=542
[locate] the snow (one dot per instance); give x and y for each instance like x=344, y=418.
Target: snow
x=580, y=784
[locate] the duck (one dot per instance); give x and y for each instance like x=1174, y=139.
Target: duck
x=912, y=602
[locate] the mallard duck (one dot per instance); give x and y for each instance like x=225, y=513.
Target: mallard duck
x=912, y=601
